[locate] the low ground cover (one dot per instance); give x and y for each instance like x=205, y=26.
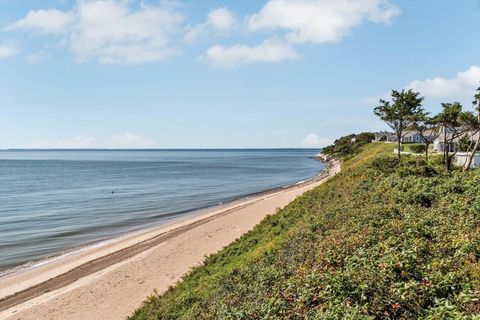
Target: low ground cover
x=384, y=239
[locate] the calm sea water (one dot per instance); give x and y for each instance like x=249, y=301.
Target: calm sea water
x=55, y=200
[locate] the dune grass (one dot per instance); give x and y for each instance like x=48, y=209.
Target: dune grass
x=384, y=239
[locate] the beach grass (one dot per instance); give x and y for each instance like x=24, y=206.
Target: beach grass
x=384, y=239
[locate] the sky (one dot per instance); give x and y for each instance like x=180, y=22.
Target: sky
x=224, y=74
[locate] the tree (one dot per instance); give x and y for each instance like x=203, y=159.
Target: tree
x=474, y=125
x=400, y=113
x=451, y=119
x=427, y=128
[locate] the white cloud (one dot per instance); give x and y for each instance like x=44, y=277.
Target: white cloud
x=8, y=50
x=220, y=20
x=119, y=141
x=109, y=30
x=460, y=88
x=464, y=83
x=44, y=21
x=268, y=51
x=320, y=21
x=314, y=21
x=124, y=32
x=313, y=141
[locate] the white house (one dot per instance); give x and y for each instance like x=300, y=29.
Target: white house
x=440, y=145
x=412, y=137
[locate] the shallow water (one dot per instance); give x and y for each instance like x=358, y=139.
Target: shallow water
x=55, y=200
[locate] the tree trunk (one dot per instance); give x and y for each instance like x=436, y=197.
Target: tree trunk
x=446, y=146
x=399, y=136
x=450, y=158
x=466, y=167
x=445, y=152
x=426, y=152
x=472, y=155
x=449, y=163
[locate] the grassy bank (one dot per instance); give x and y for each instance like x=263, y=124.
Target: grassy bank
x=384, y=239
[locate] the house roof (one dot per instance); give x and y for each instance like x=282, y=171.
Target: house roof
x=410, y=133
x=468, y=134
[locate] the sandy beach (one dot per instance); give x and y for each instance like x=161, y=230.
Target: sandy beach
x=110, y=281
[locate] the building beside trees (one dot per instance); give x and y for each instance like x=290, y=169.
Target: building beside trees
x=453, y=132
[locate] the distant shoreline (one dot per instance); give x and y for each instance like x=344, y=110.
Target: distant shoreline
x=22, y=286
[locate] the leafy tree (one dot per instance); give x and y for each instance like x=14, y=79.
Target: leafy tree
x=400, y=113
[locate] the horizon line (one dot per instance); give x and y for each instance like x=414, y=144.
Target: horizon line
x=154, y=149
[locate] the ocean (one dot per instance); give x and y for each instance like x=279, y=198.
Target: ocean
x=52, y=201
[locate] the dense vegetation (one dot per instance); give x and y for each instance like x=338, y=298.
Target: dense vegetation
x=413, y=147
x=387, y=238
x=348, y=146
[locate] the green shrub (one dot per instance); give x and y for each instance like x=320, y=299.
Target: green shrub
x=417, y=148
x=350, y=145
x=384, y=239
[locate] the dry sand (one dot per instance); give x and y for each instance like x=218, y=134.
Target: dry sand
x=111, y=280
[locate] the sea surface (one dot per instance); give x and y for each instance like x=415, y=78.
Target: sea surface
x=56, y=200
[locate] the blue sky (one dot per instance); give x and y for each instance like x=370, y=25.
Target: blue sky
x=181, y=74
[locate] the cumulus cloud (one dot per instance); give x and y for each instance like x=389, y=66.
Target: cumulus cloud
x=460, y=87
x=268, y=51
x=44, y=21
x=120, y=32
x=313, y=141
x=220, y=20
x=302, y=21
x=320, y=21
x=464, y=83
x=119, y=141
x=8, y=50
x=109, y=30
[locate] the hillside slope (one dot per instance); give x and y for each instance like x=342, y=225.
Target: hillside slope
x=382, y=240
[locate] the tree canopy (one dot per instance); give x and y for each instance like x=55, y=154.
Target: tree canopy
x=400, y=113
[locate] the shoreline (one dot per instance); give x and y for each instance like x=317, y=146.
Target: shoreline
x=182, y=215
x=36, y=287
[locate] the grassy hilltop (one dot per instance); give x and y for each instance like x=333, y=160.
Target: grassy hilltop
x=384, y=239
